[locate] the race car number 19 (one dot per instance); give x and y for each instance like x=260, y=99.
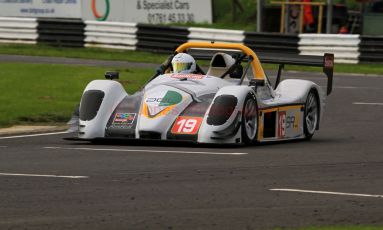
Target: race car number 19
x=187, y=125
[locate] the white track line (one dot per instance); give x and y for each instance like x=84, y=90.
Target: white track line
x=325, y=192
x=366, y=103
x=38, y=175
x=146, y=151
x=3, y=146
x=33, y=135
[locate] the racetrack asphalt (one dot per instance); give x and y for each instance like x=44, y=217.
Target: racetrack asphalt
x=50, y=183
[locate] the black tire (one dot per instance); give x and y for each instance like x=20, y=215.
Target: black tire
x=311, y=114
x=249, y=119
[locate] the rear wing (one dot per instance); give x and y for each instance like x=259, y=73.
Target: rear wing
x=326, y=62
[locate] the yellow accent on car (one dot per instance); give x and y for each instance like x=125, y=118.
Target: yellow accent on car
x=256, y=64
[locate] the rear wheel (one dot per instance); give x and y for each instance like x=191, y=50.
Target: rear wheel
x=249, y=120
x=311, y=116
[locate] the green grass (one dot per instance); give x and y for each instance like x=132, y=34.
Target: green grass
x=40, y=93
x=85, y=53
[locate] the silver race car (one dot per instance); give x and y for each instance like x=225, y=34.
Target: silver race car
x=233, y=102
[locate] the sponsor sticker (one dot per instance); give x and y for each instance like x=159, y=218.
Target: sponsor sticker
x=187, y=125
x=188, y=76
x=328, y=61
x=124, y=118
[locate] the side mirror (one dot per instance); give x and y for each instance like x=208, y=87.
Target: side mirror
x=112, y=75
x=257, y=82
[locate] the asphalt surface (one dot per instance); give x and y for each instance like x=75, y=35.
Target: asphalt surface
x=147, y=185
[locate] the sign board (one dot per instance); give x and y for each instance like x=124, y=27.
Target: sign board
x=144, y=11
x=148, y=11
x=41, y=8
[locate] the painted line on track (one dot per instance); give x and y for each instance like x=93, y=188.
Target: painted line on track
x=41, y=175
x=324, y=192
x=3, y=146
x=33, y=135
x=366, y=103
x=146, y=151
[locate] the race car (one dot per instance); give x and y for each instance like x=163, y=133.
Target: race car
x=232, y=102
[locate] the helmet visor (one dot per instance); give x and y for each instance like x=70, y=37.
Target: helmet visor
x=178, y=67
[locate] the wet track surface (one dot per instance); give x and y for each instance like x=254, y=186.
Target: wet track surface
x=181, y=186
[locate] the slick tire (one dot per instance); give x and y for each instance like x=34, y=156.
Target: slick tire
x=311, y=114
x=249, y=119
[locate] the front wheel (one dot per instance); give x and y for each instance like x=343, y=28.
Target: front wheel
x=249, y=120
x=311, y=115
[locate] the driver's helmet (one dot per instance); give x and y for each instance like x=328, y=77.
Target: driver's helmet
x=183, y=63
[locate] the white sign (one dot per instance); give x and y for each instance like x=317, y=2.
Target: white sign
x=148, y=11
x=41, y=8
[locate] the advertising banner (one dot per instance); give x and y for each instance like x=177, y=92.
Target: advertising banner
x=148, y=11
x=41, y=8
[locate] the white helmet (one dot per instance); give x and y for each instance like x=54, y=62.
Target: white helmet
x=183, y=63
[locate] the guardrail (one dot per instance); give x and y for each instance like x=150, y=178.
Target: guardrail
x=344, y=47
x=18, y=30
x=113, y=35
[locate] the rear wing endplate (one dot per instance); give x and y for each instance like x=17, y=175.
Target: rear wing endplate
x=326, y=62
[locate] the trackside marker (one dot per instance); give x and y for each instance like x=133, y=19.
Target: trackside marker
x=146, y=151
x=33, y=135
x=40, y=175
x=325, y=192
x=366, y=103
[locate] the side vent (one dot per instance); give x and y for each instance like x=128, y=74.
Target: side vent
x=221, y=110
x=90, y=104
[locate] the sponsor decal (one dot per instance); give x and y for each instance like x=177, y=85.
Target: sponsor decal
x=170, y=98
x=281, y=124
x=186, y=125
x=328, y=61
x=188, y=76
x=100, y=17
x=161, y=103
x=286, y=122
x=124, y=118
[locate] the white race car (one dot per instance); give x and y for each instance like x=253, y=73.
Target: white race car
x=233, y=102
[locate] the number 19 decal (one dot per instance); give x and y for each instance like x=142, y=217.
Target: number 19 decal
x=187, y=125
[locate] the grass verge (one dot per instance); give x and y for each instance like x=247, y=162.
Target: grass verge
x=137, y=56
x=41, y=93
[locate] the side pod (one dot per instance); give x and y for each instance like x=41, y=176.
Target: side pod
x=98, y=101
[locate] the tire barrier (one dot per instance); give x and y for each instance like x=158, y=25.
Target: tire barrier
x=272, y=42
x=18, y=30
x=61, y=32
x=216, y=35
x=164, y=39
x=160, y=39
x=371, y=49
x=113, y=35
x=344, y=47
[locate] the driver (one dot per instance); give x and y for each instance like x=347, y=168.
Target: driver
x=183, y=63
